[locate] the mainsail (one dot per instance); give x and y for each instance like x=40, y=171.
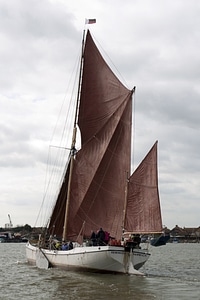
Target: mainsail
x=99, y=175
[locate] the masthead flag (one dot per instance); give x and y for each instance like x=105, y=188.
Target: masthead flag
x=90, y=21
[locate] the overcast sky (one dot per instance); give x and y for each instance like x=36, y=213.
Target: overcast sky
x=155, y=46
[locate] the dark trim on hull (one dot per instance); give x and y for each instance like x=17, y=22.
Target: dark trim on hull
x=138, y=266
x=68, y=252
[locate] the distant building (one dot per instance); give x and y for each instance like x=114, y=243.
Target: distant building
x=185, y=234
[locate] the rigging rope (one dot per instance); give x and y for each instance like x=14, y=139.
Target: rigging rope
x=56, y=162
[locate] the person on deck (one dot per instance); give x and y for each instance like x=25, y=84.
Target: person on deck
x=93, y=238
x=57, y=245
x=65, y=246
x=71, y=245
x=137, y=240
x=101, y=237
x=107, y=237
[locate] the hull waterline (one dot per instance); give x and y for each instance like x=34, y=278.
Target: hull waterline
x=101, y=259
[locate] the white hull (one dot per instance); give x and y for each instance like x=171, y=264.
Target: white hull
x=94, y=258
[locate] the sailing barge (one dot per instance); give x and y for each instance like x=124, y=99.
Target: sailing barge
x=98, y=189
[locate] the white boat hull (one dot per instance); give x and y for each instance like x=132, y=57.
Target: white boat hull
x=91, y=258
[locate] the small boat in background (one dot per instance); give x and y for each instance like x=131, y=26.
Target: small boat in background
x=160, y=241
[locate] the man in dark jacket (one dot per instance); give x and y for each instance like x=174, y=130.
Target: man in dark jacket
x=101, y=237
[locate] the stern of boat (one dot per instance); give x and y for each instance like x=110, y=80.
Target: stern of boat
x=131, y=259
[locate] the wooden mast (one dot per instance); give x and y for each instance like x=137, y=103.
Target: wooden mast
x=125, y=203
x=73, y=149
x=126, y=189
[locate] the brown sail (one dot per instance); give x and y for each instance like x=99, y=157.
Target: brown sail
x=58, y=215
x=98, y=180
x=143, y=213
x=97, y=188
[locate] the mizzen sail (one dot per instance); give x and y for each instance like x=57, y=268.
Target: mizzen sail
x=143, y=214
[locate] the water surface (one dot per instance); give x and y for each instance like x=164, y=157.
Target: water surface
x=172, y=272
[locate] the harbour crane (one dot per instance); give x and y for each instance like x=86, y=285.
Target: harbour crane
x=11, y=225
